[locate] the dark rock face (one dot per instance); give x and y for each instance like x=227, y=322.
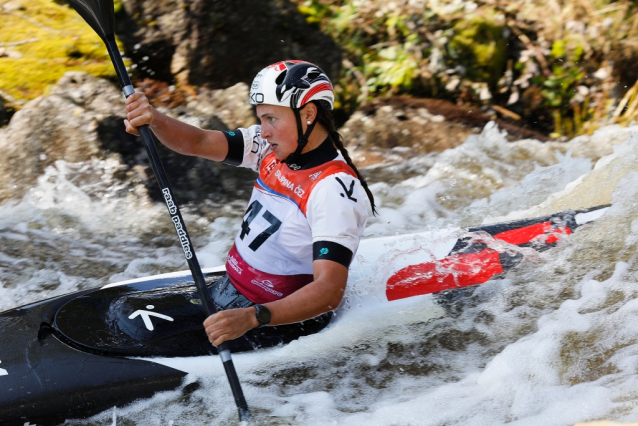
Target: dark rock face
x=82, y=119
x=3, y=114
x=219, y=43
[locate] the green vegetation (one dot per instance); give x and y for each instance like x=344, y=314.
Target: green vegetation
x=562, y=66
x=40, y=40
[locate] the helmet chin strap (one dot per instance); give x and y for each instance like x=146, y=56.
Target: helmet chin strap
x=302, y=141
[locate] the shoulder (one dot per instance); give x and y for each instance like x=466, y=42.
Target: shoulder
x=337, y=211
x=246, y=147
x=341, y=184
x=339, y=193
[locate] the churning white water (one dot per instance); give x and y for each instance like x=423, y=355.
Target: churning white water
x=554, y=343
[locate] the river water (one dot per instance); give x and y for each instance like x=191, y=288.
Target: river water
x=553, y=343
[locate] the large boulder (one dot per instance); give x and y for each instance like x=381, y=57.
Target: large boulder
x=394, y=129
x=82, y=118
x=229, y=105
x=62, y=125
x=219, y=43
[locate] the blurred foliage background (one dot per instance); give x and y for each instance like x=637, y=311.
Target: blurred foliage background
x=562, y=67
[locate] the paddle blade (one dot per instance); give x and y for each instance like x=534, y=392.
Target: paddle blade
x=455, y=271
x=98, y=14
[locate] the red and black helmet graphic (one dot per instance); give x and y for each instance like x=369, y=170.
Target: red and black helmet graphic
x=292, y=84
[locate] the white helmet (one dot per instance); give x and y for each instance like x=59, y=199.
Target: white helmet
x=292, y=84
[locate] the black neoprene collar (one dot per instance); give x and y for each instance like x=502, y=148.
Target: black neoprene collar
x=321, y=154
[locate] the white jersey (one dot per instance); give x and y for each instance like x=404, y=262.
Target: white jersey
x=293, y=218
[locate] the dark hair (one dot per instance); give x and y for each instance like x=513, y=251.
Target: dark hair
x=325, y=118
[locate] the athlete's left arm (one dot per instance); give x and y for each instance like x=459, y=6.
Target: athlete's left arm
x=337, y=214
x=322, y=295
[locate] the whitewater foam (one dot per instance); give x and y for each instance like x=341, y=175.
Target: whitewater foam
x=553, y=343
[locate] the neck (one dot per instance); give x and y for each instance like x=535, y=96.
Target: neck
x=318, y=135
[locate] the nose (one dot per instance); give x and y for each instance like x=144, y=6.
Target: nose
x=265, y=132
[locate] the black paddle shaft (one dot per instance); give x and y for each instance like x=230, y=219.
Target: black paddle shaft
x=99, y=14
x=180, y=228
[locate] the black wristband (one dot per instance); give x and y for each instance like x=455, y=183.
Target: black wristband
x=235, y=154
x=327, y=250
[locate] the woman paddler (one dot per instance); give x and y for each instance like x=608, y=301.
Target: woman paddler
x=306, y=214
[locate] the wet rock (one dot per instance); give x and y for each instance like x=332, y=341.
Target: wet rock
x=218, y=43
x=393, y=129
x=230, y=105
x=82, y=118
x=61, y=126
x=388, y=132
x=4, y=116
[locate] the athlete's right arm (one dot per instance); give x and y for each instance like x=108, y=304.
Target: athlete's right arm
x=176, y=135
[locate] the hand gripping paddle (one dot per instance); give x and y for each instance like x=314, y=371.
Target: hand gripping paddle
x=99, y=15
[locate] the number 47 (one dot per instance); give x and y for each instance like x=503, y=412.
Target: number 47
x=252, y=212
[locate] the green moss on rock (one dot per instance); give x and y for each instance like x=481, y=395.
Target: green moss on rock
x=479, y=46
x=42, y=41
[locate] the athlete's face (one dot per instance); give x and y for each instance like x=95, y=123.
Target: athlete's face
x=279, y=127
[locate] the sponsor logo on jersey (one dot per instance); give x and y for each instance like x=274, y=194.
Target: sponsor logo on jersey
x=271, y=166
x=348, y=192
x=268, y=286
x=288, y=184
x=233, y=263
x=256, y=146
x=314, y=176
x=323, y=251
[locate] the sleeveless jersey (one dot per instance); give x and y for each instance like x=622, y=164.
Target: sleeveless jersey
x=288, y=211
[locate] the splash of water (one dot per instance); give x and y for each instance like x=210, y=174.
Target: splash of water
x=553, y=343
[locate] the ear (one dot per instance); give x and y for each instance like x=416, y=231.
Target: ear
x=309, y=112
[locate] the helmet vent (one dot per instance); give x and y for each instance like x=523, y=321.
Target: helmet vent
x=281, y=77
